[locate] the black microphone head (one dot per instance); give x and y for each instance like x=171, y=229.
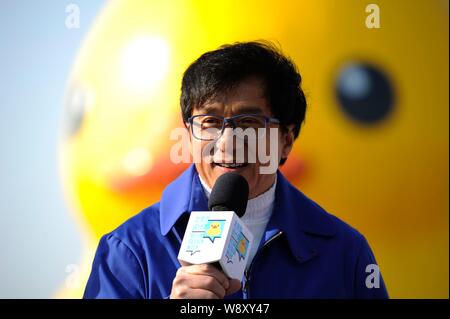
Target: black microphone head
x=230, y=192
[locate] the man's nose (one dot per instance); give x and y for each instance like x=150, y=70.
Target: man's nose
x=226, y=140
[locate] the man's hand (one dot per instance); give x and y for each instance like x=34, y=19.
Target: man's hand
x=202, y=282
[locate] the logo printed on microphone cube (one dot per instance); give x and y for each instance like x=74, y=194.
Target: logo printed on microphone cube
x=239, y=244
x=213, y=229
x=217, y=236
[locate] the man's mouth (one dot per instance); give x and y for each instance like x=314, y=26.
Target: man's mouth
x=231, y=165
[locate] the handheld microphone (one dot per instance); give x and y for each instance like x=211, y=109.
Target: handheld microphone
x=230, y=193
x=219, y=236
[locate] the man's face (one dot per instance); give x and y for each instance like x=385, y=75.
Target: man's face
x=245, y=98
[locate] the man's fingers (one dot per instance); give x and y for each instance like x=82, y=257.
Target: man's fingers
x=203, y=281
x=235, y=285
x=201, y=294
x=194, y=294
x=208, y=283
x=207, y=269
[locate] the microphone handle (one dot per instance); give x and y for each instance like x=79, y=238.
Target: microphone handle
x=218, y=208
x=217, y=265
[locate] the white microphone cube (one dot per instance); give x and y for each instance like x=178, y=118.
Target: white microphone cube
x=217, y=236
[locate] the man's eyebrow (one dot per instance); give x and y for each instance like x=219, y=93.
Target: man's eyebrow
x=208, y=109
x=250, y=109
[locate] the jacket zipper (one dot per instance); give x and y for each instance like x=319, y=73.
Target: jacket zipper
x=248, y=270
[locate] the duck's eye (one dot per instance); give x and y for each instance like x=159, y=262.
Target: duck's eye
x=364, y=92
x=76, y=103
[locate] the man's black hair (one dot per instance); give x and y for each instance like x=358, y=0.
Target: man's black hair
x=218, y=71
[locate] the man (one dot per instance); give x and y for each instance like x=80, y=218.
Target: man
x=304, y=252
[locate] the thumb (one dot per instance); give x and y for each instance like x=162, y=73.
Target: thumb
x=235, y=285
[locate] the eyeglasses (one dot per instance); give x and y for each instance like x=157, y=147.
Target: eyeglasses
x=210, y=127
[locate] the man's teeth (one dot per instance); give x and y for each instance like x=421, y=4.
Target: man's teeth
x=230, y=165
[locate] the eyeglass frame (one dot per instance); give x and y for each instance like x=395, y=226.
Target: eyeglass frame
x=230, y=120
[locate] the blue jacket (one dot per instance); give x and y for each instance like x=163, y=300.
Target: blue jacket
x=305, y=253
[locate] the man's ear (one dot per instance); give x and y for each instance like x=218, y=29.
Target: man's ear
x=288, y=141
x=186, y=125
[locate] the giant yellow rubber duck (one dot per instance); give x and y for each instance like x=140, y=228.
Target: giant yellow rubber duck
x=373, y=151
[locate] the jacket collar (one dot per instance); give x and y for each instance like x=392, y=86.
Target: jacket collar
x=293, y=211
x=183, y=195
x=300, y=219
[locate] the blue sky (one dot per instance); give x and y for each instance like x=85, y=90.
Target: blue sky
x=38, y=235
